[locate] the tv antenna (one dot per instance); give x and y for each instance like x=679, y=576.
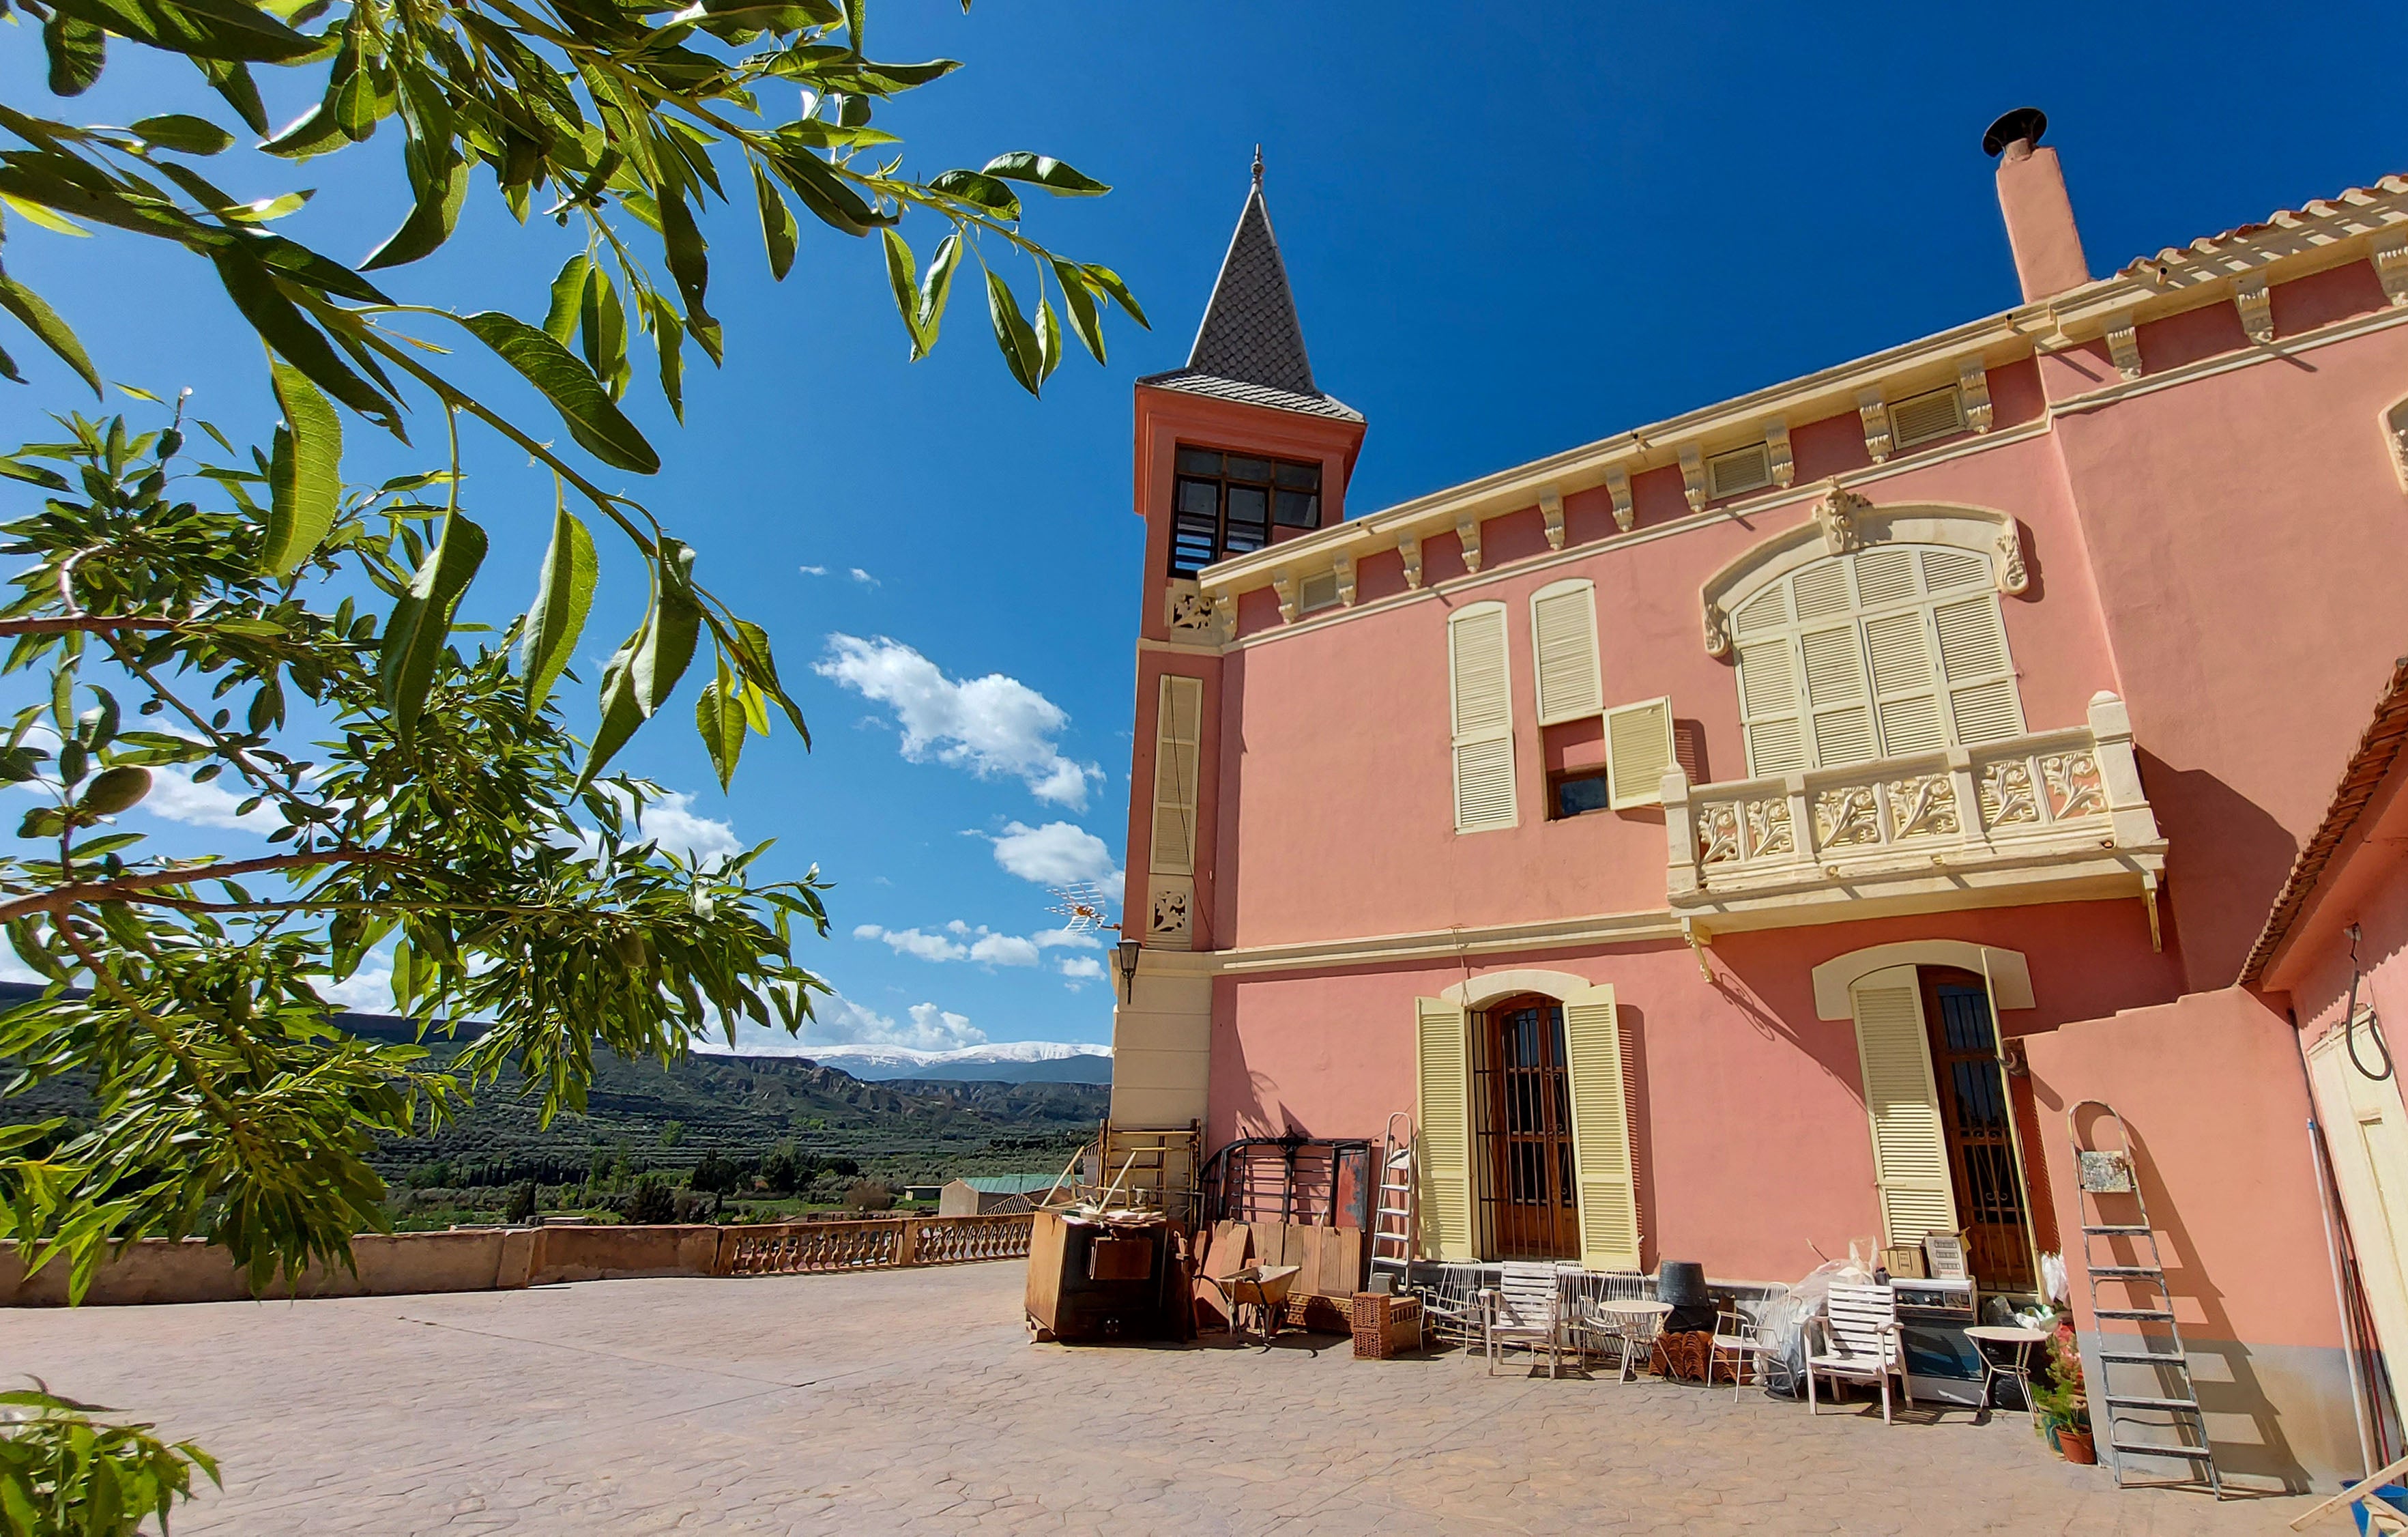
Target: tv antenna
x=1082, y=907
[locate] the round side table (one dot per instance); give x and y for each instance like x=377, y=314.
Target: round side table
x=2013, y=1343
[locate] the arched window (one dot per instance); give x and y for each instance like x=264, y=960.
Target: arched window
x=1892, y=649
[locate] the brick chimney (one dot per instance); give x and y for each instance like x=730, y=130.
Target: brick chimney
x=2040, y=216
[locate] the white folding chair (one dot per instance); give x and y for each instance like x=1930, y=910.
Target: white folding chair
x=1524, y=1309
x=1860, y=1343
x=1734, y=1346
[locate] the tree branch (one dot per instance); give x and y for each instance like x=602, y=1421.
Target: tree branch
x=87, y=624
x=58, y=899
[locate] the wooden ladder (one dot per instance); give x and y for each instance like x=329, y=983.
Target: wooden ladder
x=2173, y=1393
x=1393, y=1218
x=1157, y=1166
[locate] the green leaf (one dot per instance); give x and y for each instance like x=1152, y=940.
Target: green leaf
x=568, y=297
x=935, y=287
x=1012, y=335
x=596, y=425
x=440, y=188
x=759, y=664
x=76, y=50
x=668, y=341
x=198, y=29
x=982, y=191
x=414, y=636
x=602, y=324
x=676, y=619
x=46, y=217
x=621, y=715
x=44, y=322
x=779, y=232
x=306, y=473
x=231, y=78
x=684, y=243
x=1047, y=172
x=563, y=595
x=1109, y=281
x=901, y=279
x=830, y=199
x=719, y=719
x=281, y=324
x=315, y=132
x=184, y=134
x=1084, y=318
x=1049, y=340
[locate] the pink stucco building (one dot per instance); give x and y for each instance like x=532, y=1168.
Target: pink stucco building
x=1708, y=832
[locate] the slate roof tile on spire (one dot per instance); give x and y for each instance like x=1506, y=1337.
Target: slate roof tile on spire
x=1250, y=347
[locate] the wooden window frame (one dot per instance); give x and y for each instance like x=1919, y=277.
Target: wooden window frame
x=1220, y=481
x=1556, y=777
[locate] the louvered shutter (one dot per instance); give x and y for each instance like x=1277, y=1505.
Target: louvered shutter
x=1441, y=1044
x=1563, y=641
x=1609, y=1202
x=1767, y=696
x=1177, y=723
x=1902, y=1105
x=1836, y=694
x=1982, y=694
x=1906, y=691
x=1484, y=718
x=1638, y=752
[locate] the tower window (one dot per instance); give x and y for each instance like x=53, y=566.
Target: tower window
x=1226, y=504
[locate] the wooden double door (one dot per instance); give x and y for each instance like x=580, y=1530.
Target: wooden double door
x=1522, y=1091
x=1974, y=1107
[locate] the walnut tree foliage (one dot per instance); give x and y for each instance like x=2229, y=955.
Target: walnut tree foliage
x=248, y=618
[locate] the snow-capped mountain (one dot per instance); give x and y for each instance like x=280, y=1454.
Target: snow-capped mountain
x=1004, y=1061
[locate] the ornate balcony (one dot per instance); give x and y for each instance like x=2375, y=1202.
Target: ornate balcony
x=2045, y=817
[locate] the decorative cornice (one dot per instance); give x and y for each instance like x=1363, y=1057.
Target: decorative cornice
x=2124, y=343
x=1874, y=414
x=1836, y=515
x=1776, y=451
x=1345, y=569
x=2390, y=257
x=1467, y=532
x=1551, y=508
x=1693, y=475
x=1617, y=486
x=1610, y=928
x=1284, y=587
x=2256, y=306
x=1410, y=547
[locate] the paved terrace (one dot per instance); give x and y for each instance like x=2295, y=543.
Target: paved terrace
x=910, y=1401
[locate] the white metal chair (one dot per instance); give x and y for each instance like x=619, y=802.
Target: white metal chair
x=1860, y=1343
x=1526, y=1309
x=1734, y=1346
x=1451, y=1310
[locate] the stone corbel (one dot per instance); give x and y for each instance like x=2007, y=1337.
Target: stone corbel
x=1344, y=567
x=1776, y=452
x=1874, y=414
x=1225, y=609
x=1409, y=545
x=1551, y=507
x=2390, y=259
x=2013, y=578
x=1717, y=630
x=1693, y=477
x=1617, y=485
x=1836, y=515
x=2124, y=343
x=1466, y=533
x=1974, y=388
x=1284, y=583
x=2251, y=296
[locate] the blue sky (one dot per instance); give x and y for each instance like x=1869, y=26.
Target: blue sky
x=1525, y=229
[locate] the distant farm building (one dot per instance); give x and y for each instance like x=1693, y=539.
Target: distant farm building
x=982, y=1194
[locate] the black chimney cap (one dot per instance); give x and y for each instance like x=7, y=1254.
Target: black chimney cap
x=2023, y=123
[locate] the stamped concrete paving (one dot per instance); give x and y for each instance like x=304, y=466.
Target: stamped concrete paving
x=912, y=1402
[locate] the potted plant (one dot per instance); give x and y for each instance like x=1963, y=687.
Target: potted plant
x=2064, y=1408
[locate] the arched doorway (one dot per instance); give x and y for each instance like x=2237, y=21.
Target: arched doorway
x=1522, y=1092
x=1974, y=1106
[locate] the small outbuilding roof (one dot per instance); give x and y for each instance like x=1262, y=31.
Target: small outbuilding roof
x=1008, y=1184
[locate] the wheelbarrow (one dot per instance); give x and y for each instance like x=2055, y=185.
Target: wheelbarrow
x=1260, y=1290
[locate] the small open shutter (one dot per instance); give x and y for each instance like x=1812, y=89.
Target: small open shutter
x=1608, y=1200
x=1441, y=1043
x=1177, y=722
x=1484, y=718
x=1563, y=639
x=1639, y=752
x=1902, y=1104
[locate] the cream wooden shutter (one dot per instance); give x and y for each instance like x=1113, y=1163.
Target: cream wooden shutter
x=1484, y=718
x=1638, y=752
x=1177, y=723
x=1906, y=689
x=1902, y=1105
x=1563, y=641
x=1441, y=1044
x=1980, y=676
x=1609, y=1200
x=1836, y=694
x=1767, y=698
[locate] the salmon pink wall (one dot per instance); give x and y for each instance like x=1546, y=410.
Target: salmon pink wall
x=2366, y=884
x=1747, y=1112
x=1335, y=778
x=2250, y=543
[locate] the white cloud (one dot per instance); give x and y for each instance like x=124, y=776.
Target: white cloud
x=980, y=943
x=911, y=941
x=175, y=798
x=1082, y=967
x=1068, y=939
x=990, y=726
x=670, y=820
x=1004, y=950
x=814, y=570
x=1058, y=853
x=368, y=990
x=838, y=1020
x=863, y=576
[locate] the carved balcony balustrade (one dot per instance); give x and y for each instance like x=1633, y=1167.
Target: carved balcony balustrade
x=2046, y=816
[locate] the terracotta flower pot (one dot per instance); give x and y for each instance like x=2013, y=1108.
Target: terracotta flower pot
x=2076, y=1446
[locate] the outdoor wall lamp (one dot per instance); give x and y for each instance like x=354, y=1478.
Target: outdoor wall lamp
x=1125, y=956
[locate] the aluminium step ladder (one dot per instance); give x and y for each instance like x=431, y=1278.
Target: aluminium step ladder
x=2174, y=1394
x=1394, y=1215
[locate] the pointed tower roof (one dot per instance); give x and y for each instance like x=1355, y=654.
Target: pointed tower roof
x=1250, y=347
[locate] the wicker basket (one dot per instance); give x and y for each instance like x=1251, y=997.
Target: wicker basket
x=1386, y=1325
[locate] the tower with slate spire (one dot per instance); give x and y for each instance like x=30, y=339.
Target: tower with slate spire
x=1236, y=453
